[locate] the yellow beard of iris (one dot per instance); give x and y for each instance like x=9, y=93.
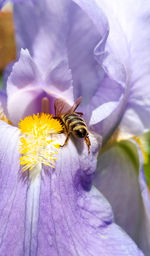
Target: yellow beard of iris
x=37, y=145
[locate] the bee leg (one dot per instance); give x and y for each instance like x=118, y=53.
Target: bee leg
x=66, y=140
x=88, y=143
x=79, y=113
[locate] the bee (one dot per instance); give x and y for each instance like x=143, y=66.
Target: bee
x=71, y=120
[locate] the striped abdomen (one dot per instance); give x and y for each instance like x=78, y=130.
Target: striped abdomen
x=75, y=124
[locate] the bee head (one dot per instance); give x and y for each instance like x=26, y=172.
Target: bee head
x=81, y=132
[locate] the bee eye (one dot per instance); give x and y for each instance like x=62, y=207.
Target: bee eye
x=81, y=133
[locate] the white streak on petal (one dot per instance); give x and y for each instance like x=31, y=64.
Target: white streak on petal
x=32, y=212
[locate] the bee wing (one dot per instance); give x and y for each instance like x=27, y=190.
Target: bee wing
x=61, y=106
x=75, y=105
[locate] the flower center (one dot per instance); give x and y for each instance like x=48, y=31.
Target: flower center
x=37, y=143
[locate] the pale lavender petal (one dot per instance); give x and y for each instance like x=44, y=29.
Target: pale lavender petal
x=70, y=220
x=59, y=39
x=52, y=214
x=83, y=38
x=101, y=58
x=56, y=31
x=114, y=90
x=58, y=81
x=24, y=74
x=117, y=179
x=29, y=101
x=26, y=87
x=106, y=100
x=23, y=15
x=139, y=100
x=26, y=102
x=107, y=105
x=13, y=193
x=46, y=38
x=99, y=67
x=81, y=46
x=108, y=93
x=129, y=41
x=23, y=89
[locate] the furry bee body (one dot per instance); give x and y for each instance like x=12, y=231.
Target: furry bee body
x=72, y=122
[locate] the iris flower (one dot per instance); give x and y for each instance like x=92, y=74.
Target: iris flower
x=68, y=49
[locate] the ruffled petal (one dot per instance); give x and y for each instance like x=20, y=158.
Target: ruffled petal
x=46, y=41
x=91, y=66
x=53, y=214
x=120, y=175
x=106, y=89
x=49, y=25
x=57, y=33
x=24, y=74
x=24, y=93
x=81, y=47
x=106, y=107
x=129, y=22
x=26, y=88
x=84, y=35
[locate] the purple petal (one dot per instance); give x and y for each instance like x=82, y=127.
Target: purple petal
x=24, y=93
x=88, y=28
x=24, y=74
x=120, y=174
x=54, y=31
x=106, y=100
x=87, y=219
x=6, y=74
x=26, y=87
x=52, y=214
x=101, y=78
x=3, y=2
x=26, y=102
x=3, y=101
x=13, y=193
x=49, y=25
x=93, y=68
x=130, y=27
x=139, y=100
x=58, y=81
